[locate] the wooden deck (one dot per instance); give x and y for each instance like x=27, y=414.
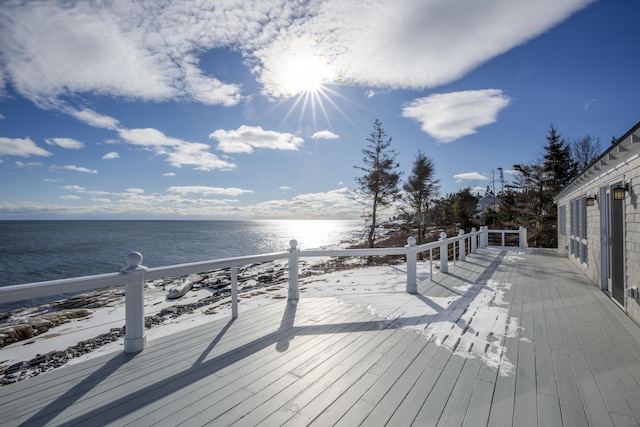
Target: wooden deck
x=574, y=359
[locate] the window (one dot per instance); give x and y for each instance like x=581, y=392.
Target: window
x=562, y=219
x=578, y=226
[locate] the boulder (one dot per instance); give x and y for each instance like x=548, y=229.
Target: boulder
x=181, y=286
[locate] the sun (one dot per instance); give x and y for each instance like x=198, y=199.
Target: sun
x=304, y=74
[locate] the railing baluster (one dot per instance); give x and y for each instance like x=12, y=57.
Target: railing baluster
x=444, y=253
x=234, y=292
x=412, y=254
x=431, y=264
x=294, y=292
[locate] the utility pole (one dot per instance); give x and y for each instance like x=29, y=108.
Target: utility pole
x=501, y=180
x=493, y=181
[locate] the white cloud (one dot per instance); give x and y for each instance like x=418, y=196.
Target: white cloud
x=246, y=138
x=449, y=116
x=150, y=50
x=73, y=188
x=207, y=191
x=29, y=165
x=478, y=190
x=470, y=175
x=70, y=197
x=1, y=116
x=125, y=49
x=324, y=134
x=93, y=118
x=69, y=143
x=73, y=168
x=134, y=190
x=407, y=43
x=148, y=137
x=590, y=103
x=21, y=147
x=110, y=156
x=340, y=204
x=178, y=152
x=169, y=174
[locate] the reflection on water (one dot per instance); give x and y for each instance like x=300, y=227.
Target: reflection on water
x=310, y=234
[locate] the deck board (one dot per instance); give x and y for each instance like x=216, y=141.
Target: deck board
x=573, y=360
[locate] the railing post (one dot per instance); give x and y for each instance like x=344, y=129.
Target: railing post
x=294, y=293
x=134, y=336
x=462, y=256
x=522, y=236
x=444, y=253
x=474, y=241
x=503, y=234
x=412, y=255
x=484, y=236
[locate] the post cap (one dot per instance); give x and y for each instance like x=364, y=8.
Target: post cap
x=134, y=259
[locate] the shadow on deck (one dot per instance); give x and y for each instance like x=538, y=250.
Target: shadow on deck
x=508, y=337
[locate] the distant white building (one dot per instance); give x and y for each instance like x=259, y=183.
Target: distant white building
x=488, y=201
x=599, y=222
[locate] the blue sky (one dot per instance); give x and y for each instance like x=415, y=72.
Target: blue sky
x=260, y=109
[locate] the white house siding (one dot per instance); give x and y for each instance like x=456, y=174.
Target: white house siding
x=621, y=162
x=632, y=217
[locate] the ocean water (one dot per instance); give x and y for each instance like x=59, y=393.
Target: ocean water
x=35, y=251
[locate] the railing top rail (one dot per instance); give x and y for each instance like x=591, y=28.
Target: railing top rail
x=59, y=287
x=88, y=283
x=353, y=252
x=178, y=270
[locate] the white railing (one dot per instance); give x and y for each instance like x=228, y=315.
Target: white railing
x=135, y=274
x=522, y=235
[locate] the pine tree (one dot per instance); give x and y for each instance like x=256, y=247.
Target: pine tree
x=539, y=182
x=464, y=208
x=558, y=163
x=379, y=184
x=419, y=190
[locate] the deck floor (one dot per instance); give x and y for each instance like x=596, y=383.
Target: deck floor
x=572, y=360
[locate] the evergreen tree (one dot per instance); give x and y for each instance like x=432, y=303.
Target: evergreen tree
x=507, y=214
x=538, y=184
x=464, y=208
x=558, y=165
x=441, y=212
x=455, y=211
x=419, y=190
x=379, y=184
